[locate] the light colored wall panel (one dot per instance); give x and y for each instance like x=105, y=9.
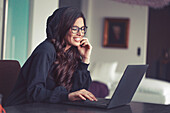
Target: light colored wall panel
x=138, y=15
x=1, y=22
x=39, y=12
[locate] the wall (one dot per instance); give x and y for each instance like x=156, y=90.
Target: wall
x=39, y=12
x=138, y=15
x=96, y=11
x=1, y=19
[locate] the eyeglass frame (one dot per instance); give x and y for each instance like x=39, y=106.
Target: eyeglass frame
x=79, y=29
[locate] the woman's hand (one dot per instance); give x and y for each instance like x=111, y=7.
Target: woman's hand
x=81, y=95
x=85, y=49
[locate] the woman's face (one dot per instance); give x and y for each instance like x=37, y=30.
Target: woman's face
x=75, y=34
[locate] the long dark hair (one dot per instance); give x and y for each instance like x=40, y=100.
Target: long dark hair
x=66, y=61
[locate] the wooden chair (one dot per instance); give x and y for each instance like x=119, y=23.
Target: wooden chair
x=9, y=70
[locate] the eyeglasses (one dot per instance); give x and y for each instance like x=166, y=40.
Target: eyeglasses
x=75, y=29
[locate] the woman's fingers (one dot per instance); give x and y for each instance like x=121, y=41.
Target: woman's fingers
x=82, y=95
x=93, y=97
x=83, y=41
x=85, y=44
x=88, y=95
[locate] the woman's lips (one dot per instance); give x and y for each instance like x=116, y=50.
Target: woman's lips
x=77, y=39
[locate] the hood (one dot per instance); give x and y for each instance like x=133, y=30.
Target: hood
x=53, y=21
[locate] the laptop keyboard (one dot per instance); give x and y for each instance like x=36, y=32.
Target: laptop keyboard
x=101, y=101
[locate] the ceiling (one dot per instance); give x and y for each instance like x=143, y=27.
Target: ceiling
x=157, y=4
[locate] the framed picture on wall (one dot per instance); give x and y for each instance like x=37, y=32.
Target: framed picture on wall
x=116, y=32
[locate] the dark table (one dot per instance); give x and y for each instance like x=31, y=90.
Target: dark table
x=133, y=107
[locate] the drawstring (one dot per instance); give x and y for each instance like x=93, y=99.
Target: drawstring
x=2, y=110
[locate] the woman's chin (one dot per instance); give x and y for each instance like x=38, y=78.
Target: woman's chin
x=76, y=44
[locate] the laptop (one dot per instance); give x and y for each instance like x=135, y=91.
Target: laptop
x=124, y=91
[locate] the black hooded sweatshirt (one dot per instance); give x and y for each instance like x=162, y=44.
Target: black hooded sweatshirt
x=34, y=84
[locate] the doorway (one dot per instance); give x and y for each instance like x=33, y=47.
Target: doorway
x=158, y=51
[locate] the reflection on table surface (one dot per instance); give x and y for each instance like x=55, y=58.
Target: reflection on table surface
x=62, y=108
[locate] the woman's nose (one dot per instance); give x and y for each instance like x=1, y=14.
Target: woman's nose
x=80, y=33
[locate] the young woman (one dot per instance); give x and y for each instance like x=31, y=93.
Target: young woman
x=57, y=69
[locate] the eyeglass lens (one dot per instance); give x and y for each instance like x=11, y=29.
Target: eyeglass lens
x=75, y=29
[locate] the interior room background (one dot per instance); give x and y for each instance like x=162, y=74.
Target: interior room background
x=26, y=25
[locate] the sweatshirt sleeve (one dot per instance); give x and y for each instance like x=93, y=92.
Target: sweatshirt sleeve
x=36, y=82
x=81, y=78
